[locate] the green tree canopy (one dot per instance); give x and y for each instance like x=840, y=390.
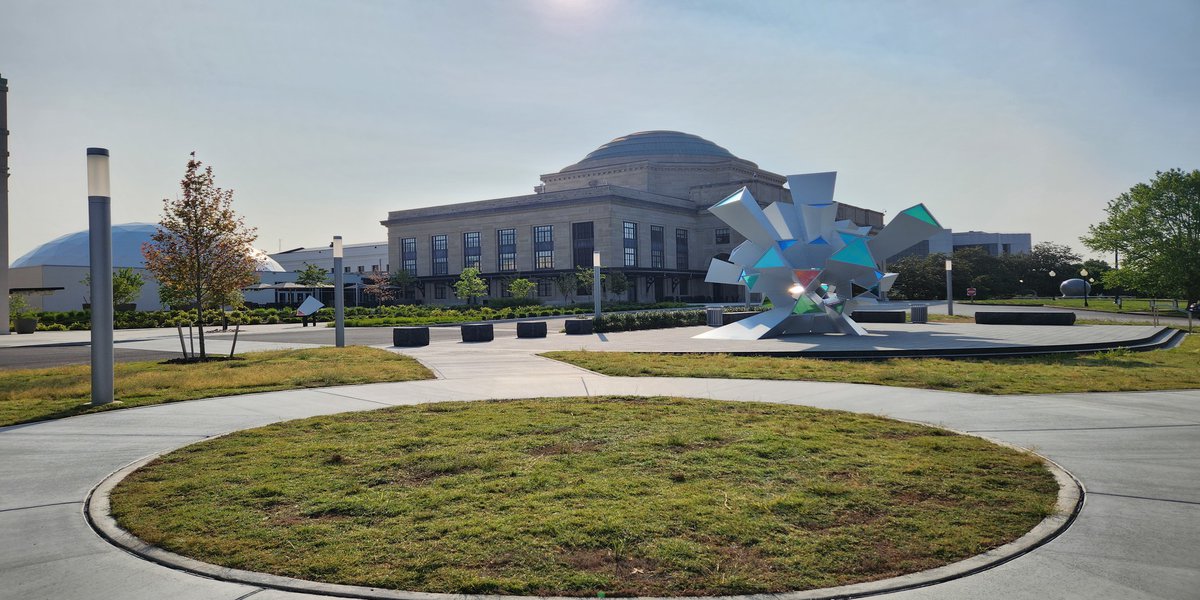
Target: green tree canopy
x=312, y=276
x=1155, y=227
x=470, y=286
x=126, y=285
x=521, y=287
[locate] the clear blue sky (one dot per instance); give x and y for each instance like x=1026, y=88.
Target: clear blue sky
x=323, y=116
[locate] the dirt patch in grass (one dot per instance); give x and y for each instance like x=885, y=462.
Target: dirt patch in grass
x=1115, y=371
x=576, y=496
x=40, y=394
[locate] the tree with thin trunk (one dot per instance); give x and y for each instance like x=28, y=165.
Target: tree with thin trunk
x=202, y=249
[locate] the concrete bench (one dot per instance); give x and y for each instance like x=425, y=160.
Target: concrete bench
x=410, y=336
x=1024, y=318
x=579, y=326
x=477, y=332
x=531, y=329
x=878, y=316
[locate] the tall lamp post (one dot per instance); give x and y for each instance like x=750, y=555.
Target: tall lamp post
x=4, y=308
x=596, y=283
x=1083, y=273
x=1052, y=274
x=339, y=295
x=949, y=289
x=100, y=250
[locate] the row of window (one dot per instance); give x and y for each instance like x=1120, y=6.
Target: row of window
x=583, y=244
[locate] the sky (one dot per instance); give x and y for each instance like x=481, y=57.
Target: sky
x=1005, y=116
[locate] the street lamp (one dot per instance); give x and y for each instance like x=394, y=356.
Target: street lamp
x=596, y=283
x=339, y=297
x=949, y=289
x=100, y=249
x=1083, y=273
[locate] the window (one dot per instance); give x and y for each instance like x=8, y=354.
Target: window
x=504, y=292
x=630, y=243
x=408, y=255
x=583, y=243
x=722, y=235
x=681, y=249
x=346, y=269
x=472, y=251
x=683, y=286
x=506, y=250
x=439, y=291
x=360, y=268
x=439, y=257
x=375, y=268
x=545, y=288
x=656, y=247
x=543, y=247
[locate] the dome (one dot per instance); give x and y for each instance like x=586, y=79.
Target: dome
x=666, y=146
x=71, y=250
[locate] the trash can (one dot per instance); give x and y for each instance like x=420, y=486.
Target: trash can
x=715, y=315
x=920, y=313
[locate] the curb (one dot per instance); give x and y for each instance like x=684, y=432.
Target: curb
x=97, y=512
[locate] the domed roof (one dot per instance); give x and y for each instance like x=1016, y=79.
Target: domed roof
x=127, y=238
x=667, y=146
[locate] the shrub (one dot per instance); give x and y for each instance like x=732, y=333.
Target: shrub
x=636, y=321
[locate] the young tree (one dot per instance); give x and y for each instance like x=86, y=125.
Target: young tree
x=584, y=276
x=616, y=283
x=1156, y=229
x=470, y=286
x=312, y=276
x=567, y=285
x=126, y=283
x=521, y=288
x=201, y=250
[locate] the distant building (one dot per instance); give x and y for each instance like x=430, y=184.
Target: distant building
x=357, y=259
x=640, y=201
x=947, y=241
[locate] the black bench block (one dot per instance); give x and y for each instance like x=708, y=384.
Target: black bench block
x=878, y=316
x=410, y=336
x=1025, y=318
x=531, y=329
x=734, y=317
x=477, y=332
x=579, y=327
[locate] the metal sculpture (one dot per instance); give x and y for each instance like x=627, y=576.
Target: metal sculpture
x=813, y=268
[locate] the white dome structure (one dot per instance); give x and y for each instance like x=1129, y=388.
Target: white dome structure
x=71, y=250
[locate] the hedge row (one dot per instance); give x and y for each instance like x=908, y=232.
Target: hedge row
x=636, y=321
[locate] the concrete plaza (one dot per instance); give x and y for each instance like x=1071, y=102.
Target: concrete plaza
x=1134, y=453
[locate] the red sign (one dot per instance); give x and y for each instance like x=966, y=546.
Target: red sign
x=971, y=292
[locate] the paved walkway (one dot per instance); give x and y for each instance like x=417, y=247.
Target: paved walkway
x=1134, y=452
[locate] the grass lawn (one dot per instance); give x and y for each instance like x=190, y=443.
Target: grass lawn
x=576, y=496
x=39, y=394
x=1135, y=305
x=1104, y=372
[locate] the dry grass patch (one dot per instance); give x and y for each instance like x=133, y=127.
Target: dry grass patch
x=1114, y=371
x=39, y=394
x=576, y=496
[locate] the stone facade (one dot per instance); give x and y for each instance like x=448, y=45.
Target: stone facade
x=651, y=179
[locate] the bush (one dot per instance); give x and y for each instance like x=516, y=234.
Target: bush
x=636, y=321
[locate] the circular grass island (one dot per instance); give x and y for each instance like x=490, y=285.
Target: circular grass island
x=578, y=496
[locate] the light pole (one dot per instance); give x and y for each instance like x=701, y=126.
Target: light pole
x=949, y=289
x=1086, y=286
x=100, y=250
x=4, y=308
x=596, y=283
x=339, y=296
x=1052, y=274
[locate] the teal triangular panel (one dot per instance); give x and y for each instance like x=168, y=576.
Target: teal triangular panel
x=820, y=241
x=804, y=305
x=848, y=237
x=750, y=279
x=771, y=259
x=920, y=212
x=855, y=253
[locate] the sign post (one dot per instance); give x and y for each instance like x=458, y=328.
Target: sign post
x=971, y=294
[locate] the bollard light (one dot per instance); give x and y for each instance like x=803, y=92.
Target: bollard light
x=100, y=251
x=339, y=296
x=949, y=289
x=596, y=283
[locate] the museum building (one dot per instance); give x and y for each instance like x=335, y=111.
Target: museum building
x=640, y=201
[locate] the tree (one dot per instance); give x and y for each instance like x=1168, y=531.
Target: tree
x=126, y=283
x=202, y=249
x=584, y=276
x=521, y=287
x=1156, y=229
x=567, y=284
x=312, y=276
x=616, y=283
x=1045, y=258
x=470, y=286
